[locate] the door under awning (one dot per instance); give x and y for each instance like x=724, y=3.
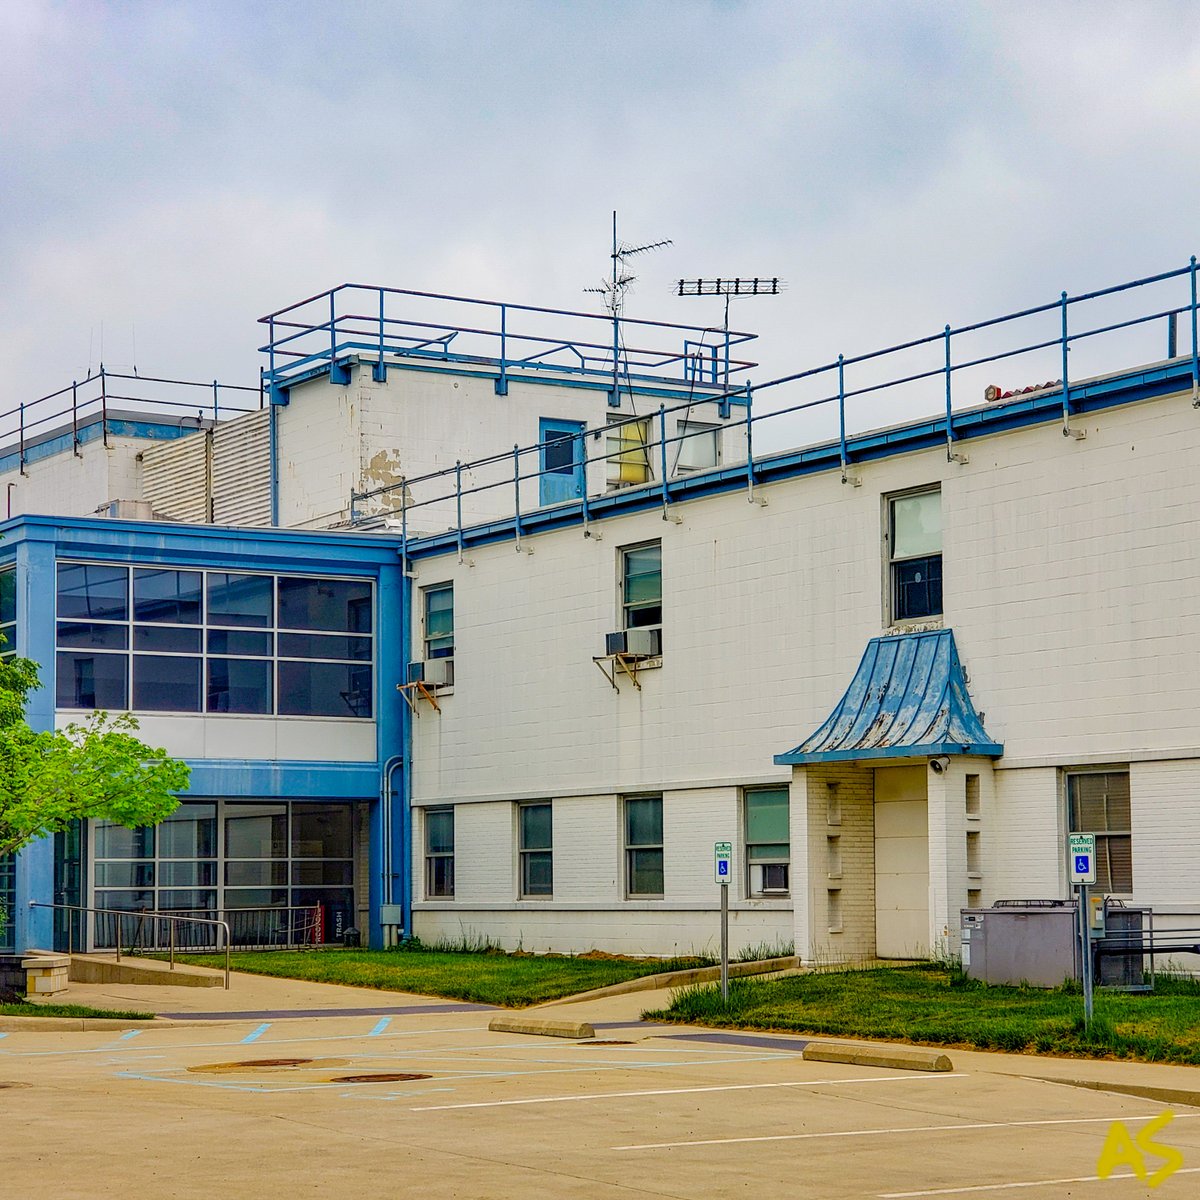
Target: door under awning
x=907, y=699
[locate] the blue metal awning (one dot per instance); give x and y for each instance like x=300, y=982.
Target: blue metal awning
x=908, y=699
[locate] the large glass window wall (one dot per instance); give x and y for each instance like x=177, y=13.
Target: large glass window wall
x=184, y=641
x=8, y=612
x=278, y=872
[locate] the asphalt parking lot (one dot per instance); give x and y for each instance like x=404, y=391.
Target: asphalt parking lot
x=402, y=1099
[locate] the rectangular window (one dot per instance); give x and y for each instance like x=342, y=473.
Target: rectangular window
x=699, y=446
x=915, y=550
x=8, y=612
x=439, y=853
x=627, y=452
x=439, y=621
x=768, y=850
x=213, y=641
x=536, y=849
x=641, y=589
x=644, y=846
x=1098, y=802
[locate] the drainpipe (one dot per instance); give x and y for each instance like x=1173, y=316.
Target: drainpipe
x=387, y=796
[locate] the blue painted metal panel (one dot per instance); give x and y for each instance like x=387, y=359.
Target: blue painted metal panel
x=908, y=698
x=286, y=780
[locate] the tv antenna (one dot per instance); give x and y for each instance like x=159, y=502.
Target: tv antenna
x=613, y=290
x=729, y=288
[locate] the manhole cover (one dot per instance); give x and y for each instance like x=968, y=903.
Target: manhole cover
x=608, y=1042
x=396, y=1077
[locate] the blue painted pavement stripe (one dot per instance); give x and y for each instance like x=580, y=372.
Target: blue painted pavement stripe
x=131, y=1034
x=380, y=1027
x=253, y=1037
x=378, y=1010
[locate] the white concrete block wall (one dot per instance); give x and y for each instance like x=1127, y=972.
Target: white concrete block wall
x=1069, y=582
x=72, y=485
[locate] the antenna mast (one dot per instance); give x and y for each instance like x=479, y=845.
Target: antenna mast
x=613, y=290
x=738, y=286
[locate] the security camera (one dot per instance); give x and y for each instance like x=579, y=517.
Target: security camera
x=940, y=765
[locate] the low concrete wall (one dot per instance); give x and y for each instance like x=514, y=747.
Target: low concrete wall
x=98, y=969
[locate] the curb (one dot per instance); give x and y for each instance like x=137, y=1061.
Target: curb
x=652, y=983
x=545, y=1028
x=877, y=1056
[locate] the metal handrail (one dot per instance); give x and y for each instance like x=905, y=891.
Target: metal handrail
x=121, y=913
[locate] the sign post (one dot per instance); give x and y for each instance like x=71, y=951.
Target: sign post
x=722, y=866
x=1081, y=856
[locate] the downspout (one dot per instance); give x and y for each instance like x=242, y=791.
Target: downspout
x=406, y=736
x=273, y=454
x=387, y=798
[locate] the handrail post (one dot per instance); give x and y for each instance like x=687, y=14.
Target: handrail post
x=517, y=495
x=949, y=416
x=458, y=505
x=216, y=403
x=171, y=939
x=332, y=329
x=117, y=923
x=1195, y=346
x=662, y=454
x=749, y=442
x=271, y=349
x=502, y=380
x=1066, y=383
x=103, y=406
x=381, y=368
x=75, y=418
x=841, y=365
x=225, y=926
x=21, y=434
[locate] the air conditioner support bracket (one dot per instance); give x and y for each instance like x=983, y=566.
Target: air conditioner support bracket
x=414, y=692
x=619, y=664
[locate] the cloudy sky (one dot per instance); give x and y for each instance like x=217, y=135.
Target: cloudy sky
x=171, y=171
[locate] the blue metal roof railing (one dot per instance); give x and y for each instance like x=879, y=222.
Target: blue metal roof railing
x=322, y=333
x=1105, y=330
x=101, y=399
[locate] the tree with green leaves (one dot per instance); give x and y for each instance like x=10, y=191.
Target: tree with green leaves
x=95, y=769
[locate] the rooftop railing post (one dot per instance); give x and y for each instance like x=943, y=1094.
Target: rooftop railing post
x=75, y=418
x=662, y=455
x=517, y=495
x=949, y=417
x=261, y=388
x=103, y=406
x=841, y=365
x=586, y=503
x=21, y=433
x=271, y=348
x=332, y=329
x=216, y=402
x=1066, y=380
x=458, y=505
x=502, y=380
x=1195, y=345
x=379, y=370
x=749, y=442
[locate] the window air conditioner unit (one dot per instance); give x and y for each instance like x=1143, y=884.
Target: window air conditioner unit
x=434, y=672
x=632, y=643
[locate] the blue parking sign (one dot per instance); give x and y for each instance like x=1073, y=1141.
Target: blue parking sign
x=1083, y=864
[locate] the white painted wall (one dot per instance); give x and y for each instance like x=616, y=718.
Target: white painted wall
x=1071, y=583
x=72, y=485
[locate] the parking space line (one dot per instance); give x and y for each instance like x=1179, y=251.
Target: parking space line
x=731, y=1087
x=382, y=1024
x=845, y=1133
x=254, y=1035
x=131, y=1034
x=1025, y=1183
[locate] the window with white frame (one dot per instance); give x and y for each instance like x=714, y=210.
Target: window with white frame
x=641, y=590
x=643, y=846
x=536, y=842
x=915, y=554
x=156, y=639
x=439, y=853
x=1098, y=802
x=439, y=621
x=627, y=452
x=768, y=848
x=698, y=447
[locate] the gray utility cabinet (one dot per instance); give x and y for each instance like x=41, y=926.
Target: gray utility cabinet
x=1034, y=943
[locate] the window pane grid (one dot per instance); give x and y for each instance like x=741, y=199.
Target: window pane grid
x=768, y=841
x=214, y=641
x=536, y=839
x=644, y=846
x=1098, y=802
x=915, y=555
x=439, y=853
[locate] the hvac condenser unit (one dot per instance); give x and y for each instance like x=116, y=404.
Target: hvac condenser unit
x=632, y=643
x=433, y=672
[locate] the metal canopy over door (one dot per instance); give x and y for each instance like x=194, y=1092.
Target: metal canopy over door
x=901, y=863
x=562, y=460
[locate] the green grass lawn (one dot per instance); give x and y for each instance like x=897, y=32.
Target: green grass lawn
x=69, y=1010
x=488, y=977
x=940, y=1007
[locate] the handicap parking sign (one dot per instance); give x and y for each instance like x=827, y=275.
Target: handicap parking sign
x=1081, y=854
x=1083, y=864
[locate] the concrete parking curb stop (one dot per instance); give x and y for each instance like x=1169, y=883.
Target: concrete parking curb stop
x=877, y=1056
x=546, y=1028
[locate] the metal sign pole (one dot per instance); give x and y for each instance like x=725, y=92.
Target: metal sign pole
x=724, y=943
x=1085, y=935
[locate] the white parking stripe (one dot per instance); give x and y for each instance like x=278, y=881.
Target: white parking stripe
x=733, y=1087
x=844, y=1133
x=1028, y=1183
